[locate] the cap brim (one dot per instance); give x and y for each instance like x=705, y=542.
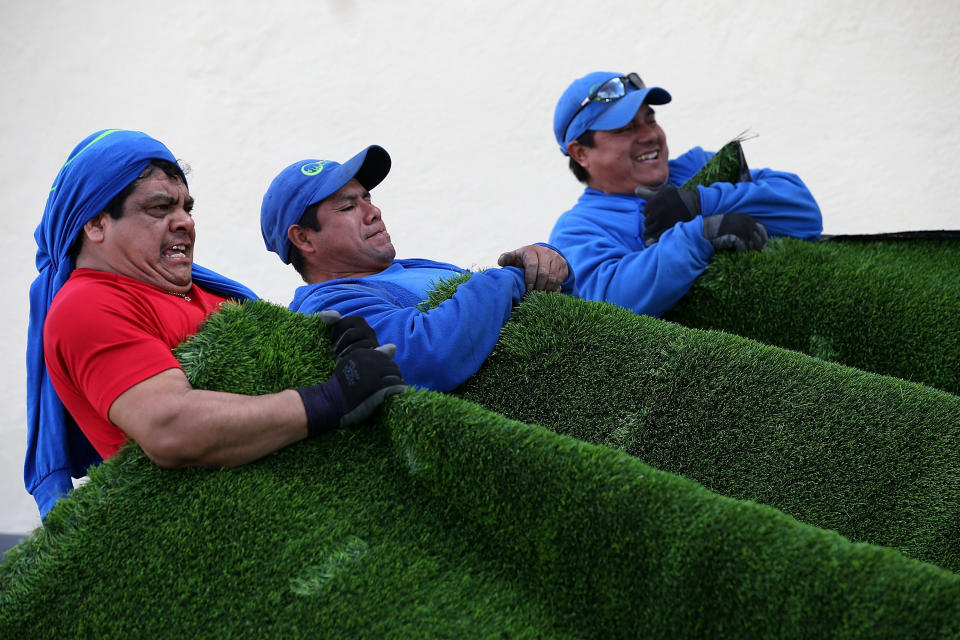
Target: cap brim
x=369, y=167
x=623, y=110
x=374, y=166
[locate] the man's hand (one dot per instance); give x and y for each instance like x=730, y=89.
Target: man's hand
x=665, y=208
x=360, y=382
x=348, y=333
x=543, y=268
x=734, y=232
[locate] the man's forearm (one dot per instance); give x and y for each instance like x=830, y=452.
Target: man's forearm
x=178, y=426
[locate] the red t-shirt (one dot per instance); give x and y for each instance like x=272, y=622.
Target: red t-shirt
x=106, y=332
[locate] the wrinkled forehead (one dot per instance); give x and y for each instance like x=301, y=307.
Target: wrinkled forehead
x=171, y=171
x=154, y=185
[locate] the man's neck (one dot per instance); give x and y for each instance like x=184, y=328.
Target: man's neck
x=317, y=276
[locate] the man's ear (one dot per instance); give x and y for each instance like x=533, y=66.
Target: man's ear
x=94, y=229
x=298, y=237
x=578, y=152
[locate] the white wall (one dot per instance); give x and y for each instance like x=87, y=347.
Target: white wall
x=857, y=97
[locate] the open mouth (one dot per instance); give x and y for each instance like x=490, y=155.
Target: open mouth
x=176, y=251
x=648, y=157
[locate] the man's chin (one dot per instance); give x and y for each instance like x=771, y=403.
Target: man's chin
x=654, y=180
x=652, y=186
x=181, y=283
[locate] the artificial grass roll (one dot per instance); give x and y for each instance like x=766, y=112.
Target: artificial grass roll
x=627, y=550
x=441, y=519
x=873, y=457
x=328, y=538
x=890, y=306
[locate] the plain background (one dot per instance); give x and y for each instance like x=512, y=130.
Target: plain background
x=858, y=98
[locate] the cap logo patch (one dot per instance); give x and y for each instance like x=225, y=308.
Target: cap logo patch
x=313, y=168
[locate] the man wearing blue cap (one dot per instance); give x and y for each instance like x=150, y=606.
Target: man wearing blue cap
x=318, y=216
x=116, y=290
x=633, y=238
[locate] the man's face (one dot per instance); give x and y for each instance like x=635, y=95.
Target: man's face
x=153, y=240
x=623, y=159
x=352, y=240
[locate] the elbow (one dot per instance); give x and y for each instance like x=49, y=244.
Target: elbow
x=170, y=449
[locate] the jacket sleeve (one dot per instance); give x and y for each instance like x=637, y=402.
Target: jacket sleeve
x=780, y=200
x=440, y=348
x=647, y=280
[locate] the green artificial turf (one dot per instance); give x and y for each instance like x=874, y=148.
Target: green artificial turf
x=440, y=518
x=888, y=306
x=729, y=164
x=874, y=457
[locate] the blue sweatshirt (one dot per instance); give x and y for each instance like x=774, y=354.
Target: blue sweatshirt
x=602, y=235
x=437, y=349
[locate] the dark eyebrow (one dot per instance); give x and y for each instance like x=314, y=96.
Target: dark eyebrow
x=165, y=198
x=351, y=197
x=158, y=198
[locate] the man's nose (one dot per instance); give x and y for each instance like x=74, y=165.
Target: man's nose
x=371, y=212
x=181, y=220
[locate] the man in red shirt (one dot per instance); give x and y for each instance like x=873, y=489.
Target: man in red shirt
x=117, y=291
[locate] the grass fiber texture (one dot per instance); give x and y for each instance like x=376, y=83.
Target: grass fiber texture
x=887, y=303
x=885, y=306
x=441, y=518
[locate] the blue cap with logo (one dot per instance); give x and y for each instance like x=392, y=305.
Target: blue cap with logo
x=577, y=111
x=309, y=181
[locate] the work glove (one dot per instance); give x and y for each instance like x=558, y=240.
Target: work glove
x=348, y=333
x=665, y=208
x=734, y=231
x=360, y=382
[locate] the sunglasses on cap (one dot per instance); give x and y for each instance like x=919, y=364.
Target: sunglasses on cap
x=612, y=89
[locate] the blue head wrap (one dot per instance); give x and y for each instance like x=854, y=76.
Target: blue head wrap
x=98, y=168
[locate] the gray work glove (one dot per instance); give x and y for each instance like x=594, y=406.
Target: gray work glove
x=348, y=333
x=666, y=207
x=360, y=382
x=734, y=232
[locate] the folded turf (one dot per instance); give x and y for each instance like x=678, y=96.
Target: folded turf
x=873, y=457
x=440, y=518
x=890, y=306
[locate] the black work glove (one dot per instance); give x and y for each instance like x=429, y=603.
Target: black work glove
x=734, y=231
x=348, y=333
x=360, y=382
x=665, y=208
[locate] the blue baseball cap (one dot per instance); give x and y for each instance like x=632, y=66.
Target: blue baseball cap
x=308, y=182
x=569, y=123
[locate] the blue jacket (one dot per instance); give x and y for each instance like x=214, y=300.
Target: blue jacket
x=602, y=235
x=437, y=349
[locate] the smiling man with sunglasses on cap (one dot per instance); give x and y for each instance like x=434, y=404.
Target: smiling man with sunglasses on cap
x=633, y=238
x=319, y=216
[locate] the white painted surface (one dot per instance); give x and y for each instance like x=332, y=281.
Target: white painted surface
x=858, y=98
